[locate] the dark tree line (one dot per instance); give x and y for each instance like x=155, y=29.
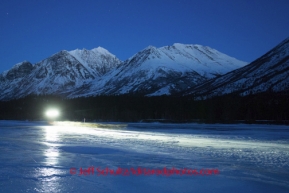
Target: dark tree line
x=229, y=108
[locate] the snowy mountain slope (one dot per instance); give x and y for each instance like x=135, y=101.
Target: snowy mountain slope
x=204, y=60
x=13, y=77
x=165, y=70
x=98, y=59
x=59, y=74
x=269, y=72
x=18, y=70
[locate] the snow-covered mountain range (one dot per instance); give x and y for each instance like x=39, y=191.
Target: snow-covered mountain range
x=270, y=72
x=165, y=70
x=152, y=71
x=59, y=74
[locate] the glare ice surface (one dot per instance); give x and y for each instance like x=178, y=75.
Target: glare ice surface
x=36, y=156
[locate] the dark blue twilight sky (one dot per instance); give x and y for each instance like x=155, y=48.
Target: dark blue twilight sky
x=35, y=29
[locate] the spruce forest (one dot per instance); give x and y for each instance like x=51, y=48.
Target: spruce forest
x=270, y=106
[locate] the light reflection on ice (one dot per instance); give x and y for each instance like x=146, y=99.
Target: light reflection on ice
x=49, y=179
x=48, y=173
x=51, y=133
x=184, y=142
x=51, y=153
x=51, y=156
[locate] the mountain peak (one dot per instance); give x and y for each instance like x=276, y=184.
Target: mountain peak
x=62, y=52
x=179, y=45
x=20, y=63
x=97, y=50
x=191, y=46
x=101, y=50
x=150, y=47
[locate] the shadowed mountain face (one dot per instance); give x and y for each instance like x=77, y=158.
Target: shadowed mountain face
x=268, y=73
x=19, y=70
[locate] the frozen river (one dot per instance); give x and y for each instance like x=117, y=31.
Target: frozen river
x=75, y=157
